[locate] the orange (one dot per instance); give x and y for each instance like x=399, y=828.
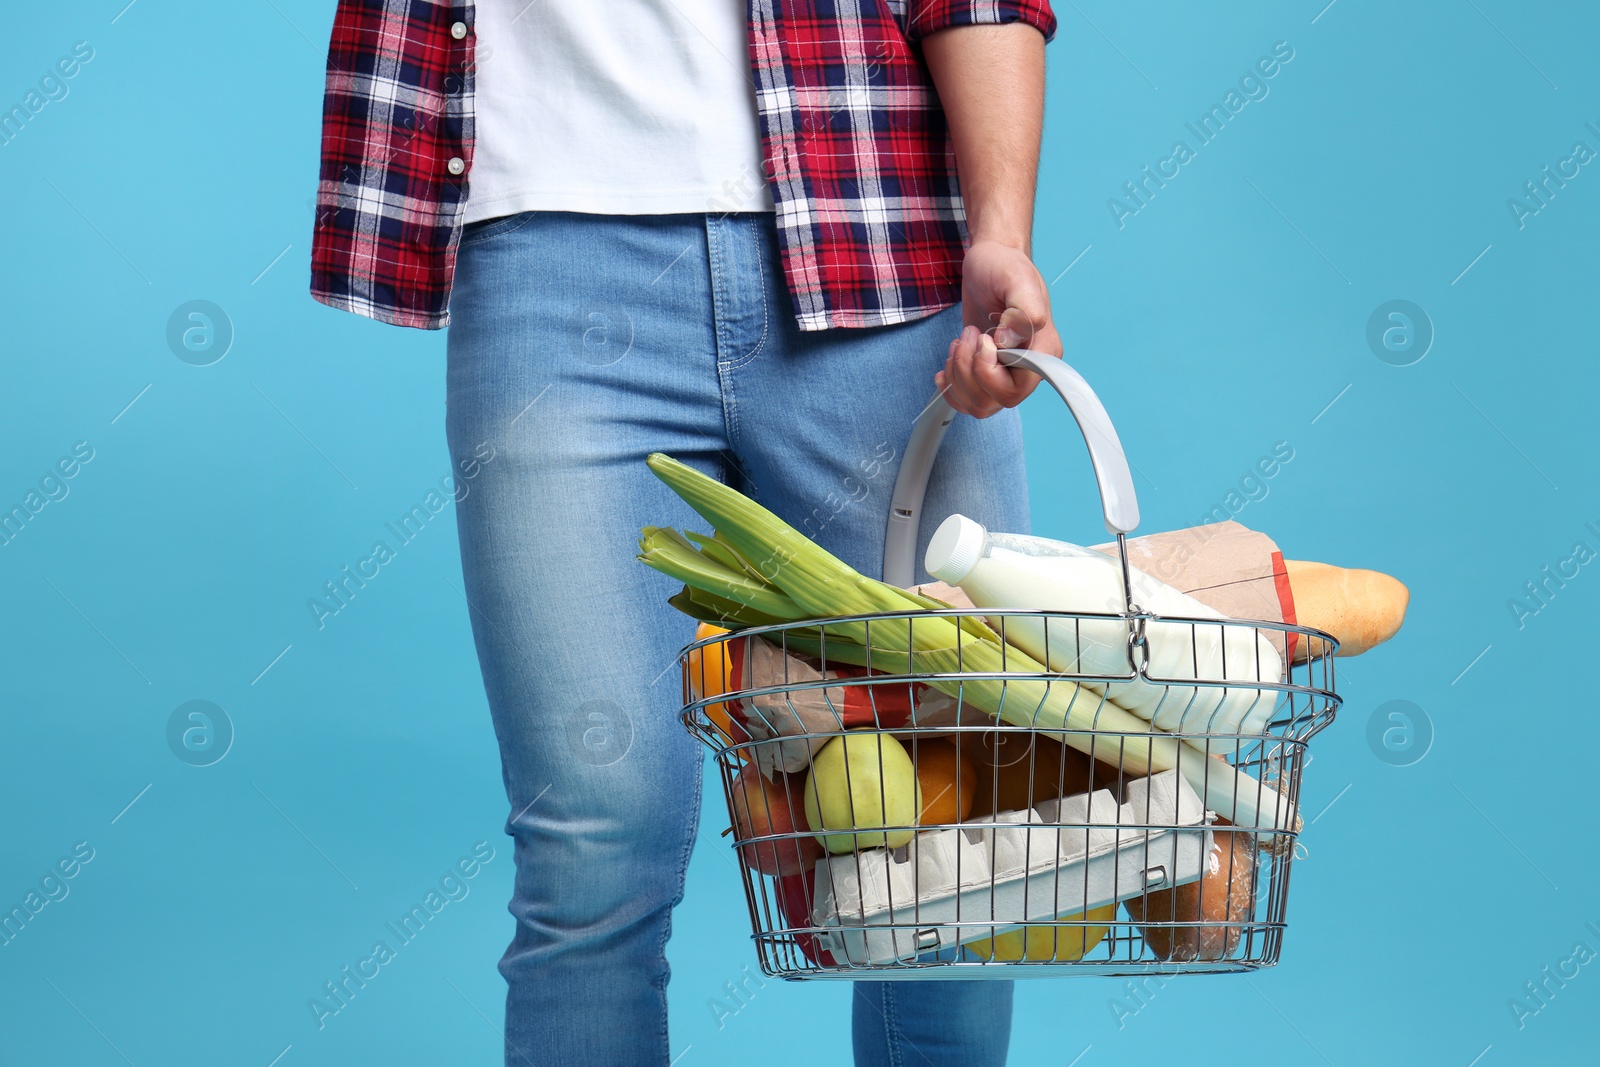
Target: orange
x=1017, y=769
x=709, y=673
x=948, y=779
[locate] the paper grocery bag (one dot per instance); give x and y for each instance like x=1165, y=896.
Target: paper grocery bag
x=1224, y=565
x=804, y=707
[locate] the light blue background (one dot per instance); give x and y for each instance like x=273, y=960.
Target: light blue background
x=1224, y=317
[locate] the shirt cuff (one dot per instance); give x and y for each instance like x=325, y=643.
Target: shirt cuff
x=928, y=16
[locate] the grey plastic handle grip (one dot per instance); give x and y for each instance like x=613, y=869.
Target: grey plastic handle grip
x=1117, y=499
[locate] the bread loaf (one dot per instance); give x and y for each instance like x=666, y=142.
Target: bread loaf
x=1225, y=894
x=1360, y=608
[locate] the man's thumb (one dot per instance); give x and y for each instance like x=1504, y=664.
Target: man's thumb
x=1018, y=328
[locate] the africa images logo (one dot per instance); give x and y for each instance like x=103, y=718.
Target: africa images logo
x=1252, y=87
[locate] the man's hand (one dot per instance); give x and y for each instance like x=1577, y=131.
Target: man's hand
x=991, y=86
x=1000, y=289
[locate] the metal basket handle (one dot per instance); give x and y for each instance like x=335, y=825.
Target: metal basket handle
x=1117, y=499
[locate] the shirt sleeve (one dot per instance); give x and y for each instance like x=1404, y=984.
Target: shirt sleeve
x=927, y=16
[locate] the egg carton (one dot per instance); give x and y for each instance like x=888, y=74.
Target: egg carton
x=1058, y=858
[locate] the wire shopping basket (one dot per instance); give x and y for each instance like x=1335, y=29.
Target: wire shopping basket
x=959, y=842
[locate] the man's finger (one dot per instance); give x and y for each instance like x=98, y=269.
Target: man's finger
x=1012, y=385
x=996, y=380
x=974, y=367
x=961, y=370
x=959, y=400
x=962, y=394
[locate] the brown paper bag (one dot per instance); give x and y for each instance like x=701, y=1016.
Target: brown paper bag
x=1224, y=565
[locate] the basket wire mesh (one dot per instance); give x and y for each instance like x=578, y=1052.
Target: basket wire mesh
x=1115, y=875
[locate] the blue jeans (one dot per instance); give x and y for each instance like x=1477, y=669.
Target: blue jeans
x=580, y=344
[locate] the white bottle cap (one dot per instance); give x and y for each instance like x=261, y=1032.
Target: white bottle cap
x=955, y=549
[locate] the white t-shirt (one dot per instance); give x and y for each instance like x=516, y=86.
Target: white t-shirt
x=628, y=107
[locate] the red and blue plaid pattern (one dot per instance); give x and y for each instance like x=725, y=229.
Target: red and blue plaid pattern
x=859, y=159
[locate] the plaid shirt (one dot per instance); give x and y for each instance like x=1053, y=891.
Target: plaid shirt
x=858, y=155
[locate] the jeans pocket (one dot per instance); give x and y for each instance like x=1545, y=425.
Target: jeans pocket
x=484, y=229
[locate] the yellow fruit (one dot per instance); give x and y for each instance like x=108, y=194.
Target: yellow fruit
x=1070, y=942
x=862, y=780
x=1007, y=947
x=1064, y=944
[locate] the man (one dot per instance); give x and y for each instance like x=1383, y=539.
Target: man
x=743, y=236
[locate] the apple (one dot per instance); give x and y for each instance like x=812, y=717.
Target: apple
x=794, y=909
x=762, y=808
x=862, y=780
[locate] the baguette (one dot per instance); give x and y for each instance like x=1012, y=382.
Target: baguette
x=1360, y=608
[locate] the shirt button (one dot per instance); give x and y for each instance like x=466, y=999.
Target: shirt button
x=455, y=166
x=458, y=30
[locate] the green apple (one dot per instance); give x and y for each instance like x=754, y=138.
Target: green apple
x=862, y=780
